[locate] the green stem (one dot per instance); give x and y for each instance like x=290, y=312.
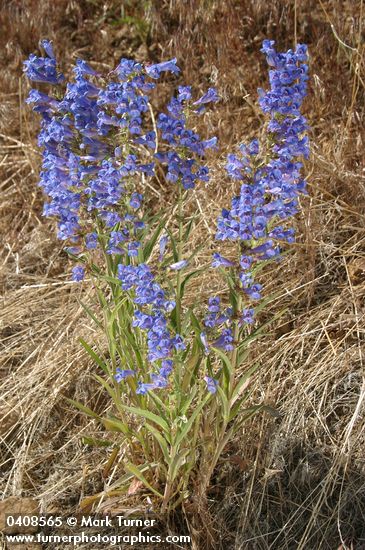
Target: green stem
x=234, y=357
x=223, y=436
x=179, y=258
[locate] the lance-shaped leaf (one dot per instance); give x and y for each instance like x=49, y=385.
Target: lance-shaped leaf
x=137, y=472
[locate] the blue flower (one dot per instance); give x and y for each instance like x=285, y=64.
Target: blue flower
x=166, y=368
x=83, y=68
x=48, y=48
x=158, y=381
x=91, y=240
x=154, y=71
x=220, y=261
x=184, y=93
x=78, y=273
x=179, y=265
x=162, y=246
x=225, y=340
x=42, y=69
x=182, y=162
x=204, y=341
x=128, y=68
x=122, y=374
x=142, y=388
x=247, y=316
x=133, y=248
x=210, y=96
x=212, y=384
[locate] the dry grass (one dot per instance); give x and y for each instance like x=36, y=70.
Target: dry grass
x=292, y=482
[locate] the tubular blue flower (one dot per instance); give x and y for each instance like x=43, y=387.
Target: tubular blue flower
x=136, y=200
x=142, y=388
x=212, y=384
x=214, y=304
x=225, y=340
x=154, y=71
x=83, y=68
x=220, y=261
x=158, y=381
x=211, y=96
x=184, y=93
x=128, y=68
x=91, y=241
x=216, y=316
x=133, y=248
x=254, y=291
x=122, y=374
x=179, y=265
x=162, y=246
x=178, y=343
x=78, y=273
x=247, y=316
x=48, y=48
x=166, y=368
x=43, y=69
x=149, y=140
x=204, y=341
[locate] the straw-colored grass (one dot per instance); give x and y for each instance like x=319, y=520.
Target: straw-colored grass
x=295, y=481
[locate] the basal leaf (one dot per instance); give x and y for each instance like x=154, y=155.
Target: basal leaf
x=135, y=471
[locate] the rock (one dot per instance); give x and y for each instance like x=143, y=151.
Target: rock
x=17, y=506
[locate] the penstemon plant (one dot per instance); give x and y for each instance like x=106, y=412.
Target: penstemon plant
x=176, y=372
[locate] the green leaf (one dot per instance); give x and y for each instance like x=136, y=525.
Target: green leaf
x=115, y=312
x=109, y=279
x=272, y=411
x=188, y=229
x=90, y=314
x=227, y=365
x=107, y=386
x=187, y=279
x=113, y=424
x=233, y=299
x=195, y=323
x=178, y=460
x=246, y=414
x=82, y=408
x=173, y=244
x=149, y=246
x=189, y=423
x=94, y=356
x=161, y=441
x=192, y=364
x=92, y=441
x=242, y=380
x=133, y=348
x=149, y=416
x=225, y=404
x=162, y=408
x=136, y=472
x=122, y=481
x=102, y=299
x=185, y=404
